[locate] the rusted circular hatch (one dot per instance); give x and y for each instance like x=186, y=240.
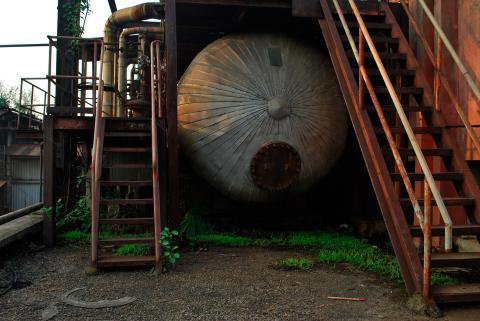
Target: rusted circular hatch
x=275, y=166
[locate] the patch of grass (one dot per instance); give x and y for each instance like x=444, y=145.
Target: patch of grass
x=76, y=236
x=133, y=250
x=333, y=247
x=301, y=264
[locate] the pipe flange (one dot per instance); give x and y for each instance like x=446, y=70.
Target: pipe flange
x=275, y=166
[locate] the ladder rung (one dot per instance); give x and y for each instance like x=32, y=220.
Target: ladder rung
x=401, y=90
x=444, y=176
x=456, y=293
x=129, y=165
x=442, y=152
x=382, y=55
x=369, y=25
x=127, y=201
x=127, y=221
x=125, y=183
x=448, y=201
x=455, y=259
x=110, y=261
x=392, y=72
x=127, y=149
x=439, y=230
x=431, y=130
x=408, y=109
x=376, y=39
x=131, y=240
x=127, y=134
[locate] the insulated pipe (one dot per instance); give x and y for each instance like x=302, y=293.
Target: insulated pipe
x=122, y=62
x=114, y=23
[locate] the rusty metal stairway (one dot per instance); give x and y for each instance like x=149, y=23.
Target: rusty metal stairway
x=126, y=182
x=378, y=75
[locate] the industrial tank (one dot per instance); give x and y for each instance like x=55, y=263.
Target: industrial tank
x=261, y=116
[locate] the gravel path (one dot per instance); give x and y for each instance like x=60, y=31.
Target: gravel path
x=221, y=284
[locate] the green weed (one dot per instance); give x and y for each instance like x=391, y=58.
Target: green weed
x=133, y=250
x=301, y=264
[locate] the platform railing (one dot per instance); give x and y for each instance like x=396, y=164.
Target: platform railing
x=85, y=105
x=30, y=109
x=440, y=80
x=430, y=188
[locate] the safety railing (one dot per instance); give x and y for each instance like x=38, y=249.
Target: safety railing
x=430, y=188
x=78, y=86
x=440, y=80
x=31, y=112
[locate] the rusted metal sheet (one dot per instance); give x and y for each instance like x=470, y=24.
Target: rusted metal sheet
x=307, y=8
x=24, y=150
x=243, y=3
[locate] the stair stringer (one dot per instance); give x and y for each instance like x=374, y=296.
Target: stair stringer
x=387, y=198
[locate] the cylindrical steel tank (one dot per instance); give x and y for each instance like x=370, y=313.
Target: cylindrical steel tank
x=261, y=116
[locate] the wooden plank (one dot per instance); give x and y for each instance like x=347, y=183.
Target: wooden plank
x=127, y=149
x=20, y=227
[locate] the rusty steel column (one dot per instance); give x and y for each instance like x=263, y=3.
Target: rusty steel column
x=171, y=109
x=66, y=59
x=49, y=178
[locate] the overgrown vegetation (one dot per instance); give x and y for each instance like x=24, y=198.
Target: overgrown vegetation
x=75, y=15
x=193, y=224
x=292, y=263
x=133, y=250
x=332, y=247
x=170, y=250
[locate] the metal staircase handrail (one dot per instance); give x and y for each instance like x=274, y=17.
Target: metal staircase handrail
x=430, y=188
x=442, y=79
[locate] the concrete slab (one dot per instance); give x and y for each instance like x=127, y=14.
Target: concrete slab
x=20, y=227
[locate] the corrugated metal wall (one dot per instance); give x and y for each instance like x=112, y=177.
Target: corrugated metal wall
x=25, y=182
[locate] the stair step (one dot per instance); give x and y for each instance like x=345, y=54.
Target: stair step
x=111, y=261
x=455, y=259
x=443, y=176
x=131, y=240
x=127, y=149
x=408, y=109
x=129, y=166
x=127, y=201
x=383, y=55
x=431, y=130
x=401, y=90
x=442, y=152
x=439, y=230
x=376, y=39
x=127, y=134
x=127, y=221
x=125, y=183
x=369, y=25
x=392, y=72
x=456, y=293
x=448, y=201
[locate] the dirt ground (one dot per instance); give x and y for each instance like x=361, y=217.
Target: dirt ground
x=220, y=284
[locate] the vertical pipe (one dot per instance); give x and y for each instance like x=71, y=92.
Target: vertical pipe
x=84, y=74
x=158, y=60
x=427, y=241
x=31, y=108
x=94, y=76
x=49, y=70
